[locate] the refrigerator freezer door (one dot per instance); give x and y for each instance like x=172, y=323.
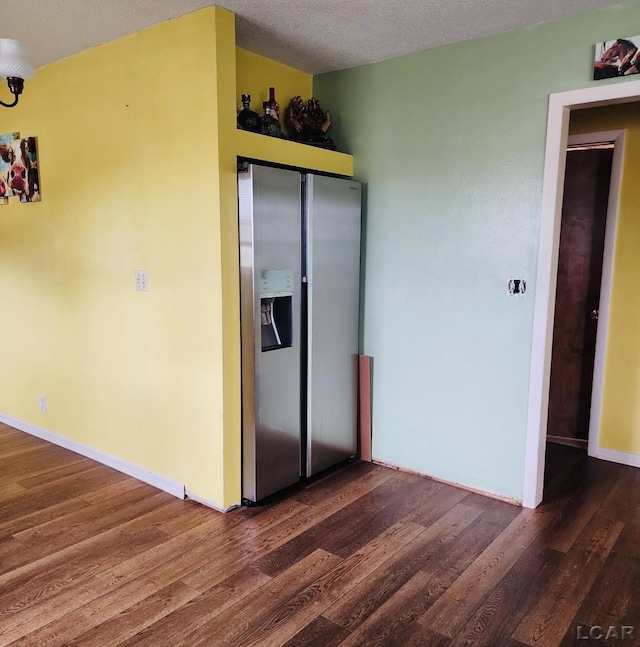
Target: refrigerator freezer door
x=332, y=215
x=270, y=284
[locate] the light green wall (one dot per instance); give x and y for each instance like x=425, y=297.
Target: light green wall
x=451, y=143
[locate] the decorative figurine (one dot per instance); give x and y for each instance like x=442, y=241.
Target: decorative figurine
x=270, y=124
x=247, y=118
x=309, y=124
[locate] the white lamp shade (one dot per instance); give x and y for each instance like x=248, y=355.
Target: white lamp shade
x=13, y=60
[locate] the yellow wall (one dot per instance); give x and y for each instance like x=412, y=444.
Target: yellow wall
x=137, y=152
x=620, y=421
x=125, y=134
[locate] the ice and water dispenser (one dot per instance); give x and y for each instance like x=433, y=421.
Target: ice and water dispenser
x=276, y=309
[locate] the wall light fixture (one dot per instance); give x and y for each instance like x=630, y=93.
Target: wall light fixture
x=14, y=67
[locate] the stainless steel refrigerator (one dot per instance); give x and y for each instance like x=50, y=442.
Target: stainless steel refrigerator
x=299, y=282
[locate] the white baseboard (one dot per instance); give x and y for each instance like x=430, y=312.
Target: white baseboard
x=209, y=504
x=633, y=460
x=131, y=469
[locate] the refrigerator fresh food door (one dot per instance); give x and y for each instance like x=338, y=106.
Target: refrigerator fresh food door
x=332, y=217
x=269, y=202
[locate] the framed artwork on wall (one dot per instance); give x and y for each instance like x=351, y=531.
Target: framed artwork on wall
x=620, y=57
x=19, y=174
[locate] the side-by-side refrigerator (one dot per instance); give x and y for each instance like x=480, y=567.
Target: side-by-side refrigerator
x=299, y=282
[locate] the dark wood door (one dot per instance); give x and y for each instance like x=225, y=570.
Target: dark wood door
x=584, y=214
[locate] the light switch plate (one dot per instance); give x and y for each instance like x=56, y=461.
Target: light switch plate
x=142, y=281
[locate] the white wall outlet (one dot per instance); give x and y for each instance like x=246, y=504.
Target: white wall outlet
x=42, y=398
x=142, y=281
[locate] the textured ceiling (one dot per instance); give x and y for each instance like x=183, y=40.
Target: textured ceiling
x=318, y=36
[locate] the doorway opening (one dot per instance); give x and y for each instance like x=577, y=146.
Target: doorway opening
x=560, y=106
x=589, y=215
x=577, y=303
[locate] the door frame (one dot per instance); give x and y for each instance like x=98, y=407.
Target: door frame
x=560, y=106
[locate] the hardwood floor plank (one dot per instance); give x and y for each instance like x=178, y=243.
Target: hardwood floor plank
x=34, y=582
x=200, y=610
x=128, y=622
x=85, y=523
x=393, y=616
x=115, y=489
x=265, y=542
x=39, y=517
x=201, y=546
x=564, y=473
x=329, y=484
x=628, y=543
x=346, y=490
x=415, y=635
x=578, y=510
x=429, y=510
x=8, y=547
x=623, y=500
x=452, y=611
x=311, y=602
x=49, y=477
x=9, y=489
x=336, y=535
x=363, y=599
x=10, y=442
x=547, y=623
x=610, y=598
x=34, y=453
x=90, y=521
x=494, y=511
x=632, y=611
x=37, y=461
x=6, y=430
x=511, y=599
x=345, y=540
x=204, y=538
x=191, y=516
x=8, y=434
x=79, y=618
x=238, y=619
x=414, y=597
x=43, y=496
x=208, y=554
x=35, y=616
x=318, y=633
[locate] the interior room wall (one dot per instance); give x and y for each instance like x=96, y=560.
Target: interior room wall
x=138, y=171
x=450, y=143
x=125, y=134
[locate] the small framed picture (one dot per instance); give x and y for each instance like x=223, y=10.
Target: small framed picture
x=620, y=57
x=19, y=175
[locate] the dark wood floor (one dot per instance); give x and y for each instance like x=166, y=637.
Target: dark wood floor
x=368, y=556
